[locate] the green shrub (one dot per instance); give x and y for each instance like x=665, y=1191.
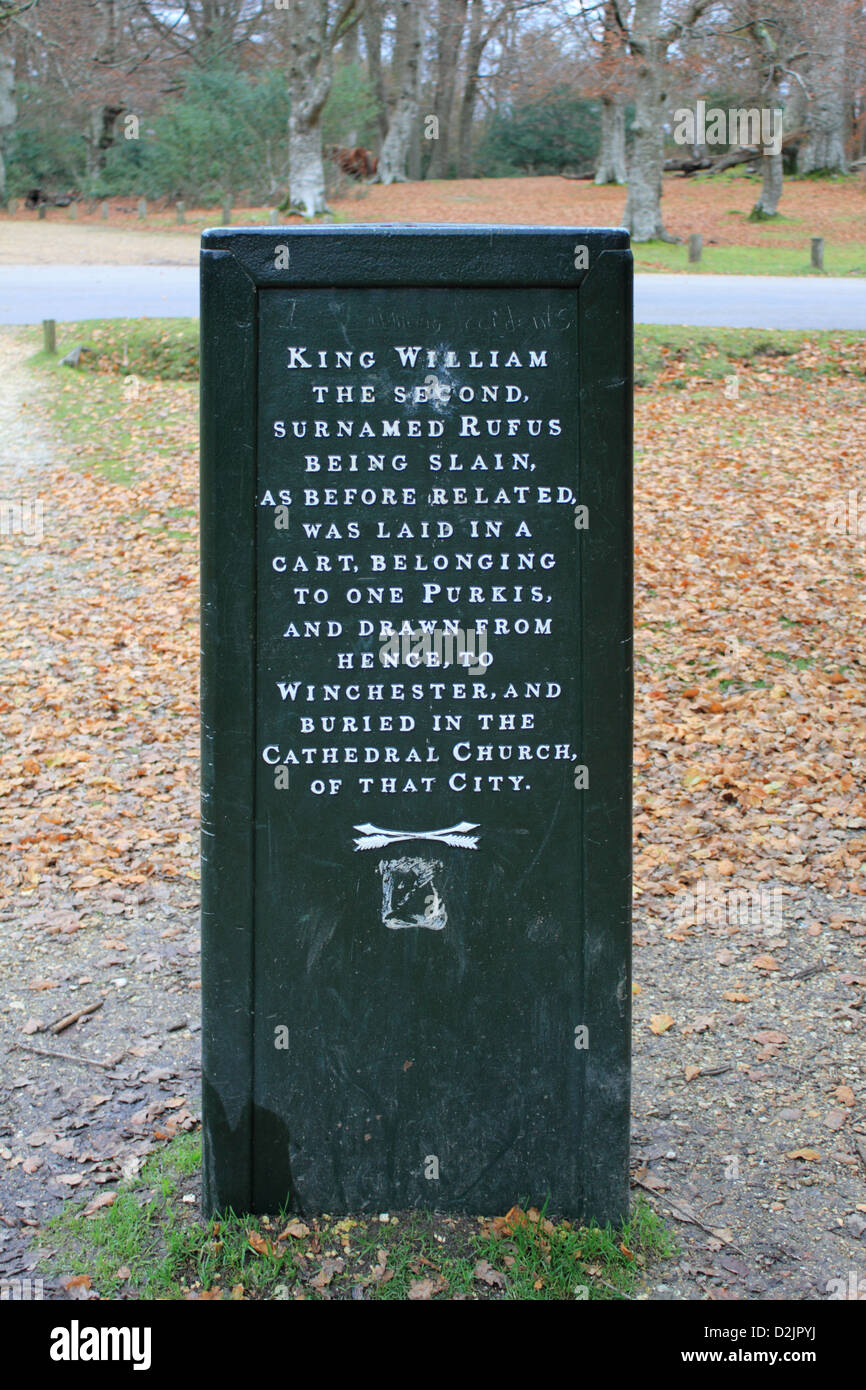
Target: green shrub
x=350, y=109
x=543, y=136
x=228, y=132
x=42, y=152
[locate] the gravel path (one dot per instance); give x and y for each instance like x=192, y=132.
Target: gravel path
x=66, y=243
x=74, y=1122
x=775, y=1072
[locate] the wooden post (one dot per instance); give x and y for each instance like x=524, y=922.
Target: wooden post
x=696, y=243
x=142, y=209
x=227, y=212
x=818, y=252
x=12, y=206
x=73, y=211
x=49, y=336
x=41, y=212
x=275, y=217
x=103, y=210
x=181, y=214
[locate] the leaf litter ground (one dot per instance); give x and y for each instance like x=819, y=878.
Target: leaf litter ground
x=717, y=206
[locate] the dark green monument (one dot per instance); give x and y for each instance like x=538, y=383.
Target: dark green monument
x=416, y=687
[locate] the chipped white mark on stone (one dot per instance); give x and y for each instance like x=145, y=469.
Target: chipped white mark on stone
x=409, y=896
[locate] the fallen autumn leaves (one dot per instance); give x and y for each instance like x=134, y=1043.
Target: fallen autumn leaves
x=749, y=725
x=99, y=774
x=749, y=704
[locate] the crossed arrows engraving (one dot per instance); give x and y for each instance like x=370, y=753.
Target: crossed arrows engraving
x=374, y=837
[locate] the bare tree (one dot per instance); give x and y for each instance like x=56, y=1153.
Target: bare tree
x=350, y=44
x=9, y=11
x=485, y=20
x=8, y=104
x=649, y=40
x=314, y=29
x=99, y=130
x=602, y=59
x=85, y=56
x=824, y=145
x=203, y=30
x=374, y=14
x=611, y=167
x=774, y=31
x=767, y=46
x=479, y=36
x=450, y=25
x=406, y=71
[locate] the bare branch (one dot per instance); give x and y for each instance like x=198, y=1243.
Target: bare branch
x=348, y=17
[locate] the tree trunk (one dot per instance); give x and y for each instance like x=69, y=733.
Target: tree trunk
x=452, y=21
x=611, y=159
x=414, y=161
x=350, y=46
x=796, y=105
x=395, y=151
x=99, y=137
x=612, y=68
x=8, y=104
x=474, y=54
x=643, y=213
x=306, y=167
x=309, y=84
x=771, y=187
x=372, y=22
x=824, y=146
x=350, y=51
x=101, y=122
x=772, y=171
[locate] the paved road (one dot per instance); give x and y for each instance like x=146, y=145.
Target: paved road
x=751, y=301
x=31, y=293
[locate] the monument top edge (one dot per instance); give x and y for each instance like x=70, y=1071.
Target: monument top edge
x=613, y=236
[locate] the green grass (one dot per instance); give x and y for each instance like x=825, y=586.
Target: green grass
x=821, y=176
x=714, y=353
x=164, y=349
x=84, y=402
x=98, y=399
x=167, y=349
x=170, y=1252
x=847, y=258
x=145, y=1229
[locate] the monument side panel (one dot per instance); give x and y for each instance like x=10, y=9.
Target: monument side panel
x=228, y=450
x=606, y=392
